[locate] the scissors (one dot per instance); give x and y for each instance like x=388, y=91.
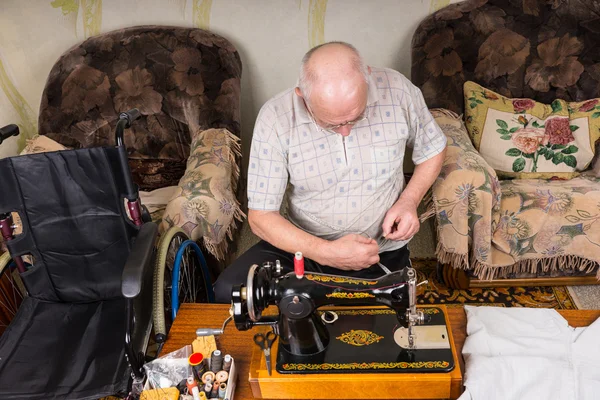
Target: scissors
x=265, y=342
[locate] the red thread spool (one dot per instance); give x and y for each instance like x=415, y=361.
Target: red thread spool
x=299, y=265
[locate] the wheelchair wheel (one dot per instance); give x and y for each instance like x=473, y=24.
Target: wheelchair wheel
x=12, y=291
x=180, y=276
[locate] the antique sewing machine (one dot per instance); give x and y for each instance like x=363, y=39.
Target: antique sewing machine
x=334, y=329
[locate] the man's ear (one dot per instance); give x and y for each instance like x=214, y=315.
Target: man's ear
x=369, y=69
x=298, y=92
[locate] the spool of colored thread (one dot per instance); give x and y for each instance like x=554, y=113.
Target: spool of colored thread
x=222, y=390
x=216, y=361
x=299, y=265
x=196, y=361
x=208, y=377
x=227, y=362
x=215, y=390
x=221, y=376
x=208, y=389
x=193, y=388
x=203, y=396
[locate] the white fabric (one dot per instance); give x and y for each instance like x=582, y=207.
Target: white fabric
x=524, y=353
x=341, y=185
x=158, y=198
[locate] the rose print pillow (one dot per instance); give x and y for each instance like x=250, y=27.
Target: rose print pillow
x=521, y=138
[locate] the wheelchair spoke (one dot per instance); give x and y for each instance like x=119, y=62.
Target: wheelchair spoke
x=11, y=296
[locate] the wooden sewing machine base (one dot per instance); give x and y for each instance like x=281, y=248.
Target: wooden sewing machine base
x=351, y=385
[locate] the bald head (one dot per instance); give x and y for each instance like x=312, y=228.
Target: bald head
x=331, y=69
x=334, y=85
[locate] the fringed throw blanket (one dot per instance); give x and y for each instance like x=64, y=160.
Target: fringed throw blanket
x=205, y=204
x=501, y=228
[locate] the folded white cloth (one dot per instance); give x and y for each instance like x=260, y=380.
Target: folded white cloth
x=524, y=353
x=158, y=199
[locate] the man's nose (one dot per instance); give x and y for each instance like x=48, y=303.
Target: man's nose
x=344, y=130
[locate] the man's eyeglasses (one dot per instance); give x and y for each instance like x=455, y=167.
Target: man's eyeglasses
x=333, y=128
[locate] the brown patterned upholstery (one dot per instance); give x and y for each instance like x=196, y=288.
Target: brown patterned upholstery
x=538, y=49
x=169, y=73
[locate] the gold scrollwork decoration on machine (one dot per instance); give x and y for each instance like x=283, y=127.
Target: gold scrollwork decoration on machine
x=349, y=295
x=338, y=279
x=370, y=365
x=382, y=311
x=359, y=337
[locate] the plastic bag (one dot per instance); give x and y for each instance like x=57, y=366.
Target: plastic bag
x=170, y=369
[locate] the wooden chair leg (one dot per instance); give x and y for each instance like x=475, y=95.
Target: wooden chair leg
x=453, y=278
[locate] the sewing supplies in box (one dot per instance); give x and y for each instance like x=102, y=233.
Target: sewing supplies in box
x=194, y=376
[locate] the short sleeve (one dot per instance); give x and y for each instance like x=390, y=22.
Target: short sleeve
x=267, y=168
x=426, y=138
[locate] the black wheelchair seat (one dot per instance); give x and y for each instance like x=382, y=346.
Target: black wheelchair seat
x=69, y=350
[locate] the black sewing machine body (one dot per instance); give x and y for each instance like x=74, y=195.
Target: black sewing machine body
x=355, y=339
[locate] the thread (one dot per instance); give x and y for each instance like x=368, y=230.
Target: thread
x=208, y=377
x=222, y=390
x=215, y=390
x=193, y=388
x=208, y=389
x=203, y=395
x=221, y=376
x=216, y=361
x=227, y=363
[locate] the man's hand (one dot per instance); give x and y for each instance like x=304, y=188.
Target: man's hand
x=401, y=221
x=351, y=252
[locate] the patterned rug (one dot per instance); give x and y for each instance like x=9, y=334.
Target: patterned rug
x=531, y=296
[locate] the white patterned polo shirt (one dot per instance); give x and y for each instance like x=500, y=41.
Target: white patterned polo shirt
x=341, y=185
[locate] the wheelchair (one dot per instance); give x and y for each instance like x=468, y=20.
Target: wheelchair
x=84, y=277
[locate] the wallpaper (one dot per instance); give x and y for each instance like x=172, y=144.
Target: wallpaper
x=271, y=36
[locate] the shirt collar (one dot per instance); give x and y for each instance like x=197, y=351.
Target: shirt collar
x=302, y=114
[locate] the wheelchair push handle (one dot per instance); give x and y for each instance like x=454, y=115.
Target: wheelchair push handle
x=8, y=131
x=131, y=193
x=125, y=120
x=130, y=116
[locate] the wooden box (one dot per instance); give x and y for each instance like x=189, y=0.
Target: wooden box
x=350, y=385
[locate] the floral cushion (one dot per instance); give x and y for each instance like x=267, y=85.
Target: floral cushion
x=204, y=204
x=522, y=138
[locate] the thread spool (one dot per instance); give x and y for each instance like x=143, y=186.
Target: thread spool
x=193, y=388
x=227, y=362
x=222, y=390
x=196, y=361
x=207, y=389
x=203, y=395
x=221, y=376
x=208, y=377
x=216, y=361
x=215, y=390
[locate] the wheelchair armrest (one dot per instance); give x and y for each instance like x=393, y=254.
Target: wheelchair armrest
x=139, y=259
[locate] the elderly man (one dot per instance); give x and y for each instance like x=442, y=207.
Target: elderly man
x=339, y=137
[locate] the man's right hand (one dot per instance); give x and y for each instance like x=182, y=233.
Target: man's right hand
x=351, y=252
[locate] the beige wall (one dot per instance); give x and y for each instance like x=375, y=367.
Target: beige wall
x=271, y=36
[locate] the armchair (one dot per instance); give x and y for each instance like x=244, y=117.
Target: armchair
x=499, y=232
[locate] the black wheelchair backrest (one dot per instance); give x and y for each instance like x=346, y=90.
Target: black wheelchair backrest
x=74, y=222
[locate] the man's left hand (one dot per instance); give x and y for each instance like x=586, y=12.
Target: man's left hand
x=401, y=221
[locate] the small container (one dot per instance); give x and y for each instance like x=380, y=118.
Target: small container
x=196, y=361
